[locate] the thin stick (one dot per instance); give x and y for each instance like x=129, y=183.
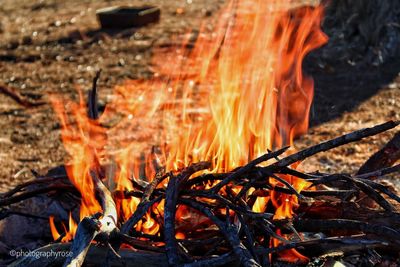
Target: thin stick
x=329, y=244
x=369, y=191
x=288, y=185
x=93, y=110
x=36, y=192
x=381, y=188
x=144, y=204
x=16, y=96
x=229, y=231
x=248, y=167
x=311, y=225
x=36, y=181
x=379, y=173
x=140, y=244
x=312, y=194
x=339, y=141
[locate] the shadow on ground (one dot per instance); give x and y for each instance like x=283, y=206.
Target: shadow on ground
x=342, y=87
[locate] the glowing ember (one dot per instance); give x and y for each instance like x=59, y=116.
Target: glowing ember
x=238, y=92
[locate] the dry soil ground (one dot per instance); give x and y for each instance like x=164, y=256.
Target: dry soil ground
x=54, y=46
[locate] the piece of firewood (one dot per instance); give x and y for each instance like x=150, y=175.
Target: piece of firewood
x=385, y=157
x=171, y=199
x=90, y=227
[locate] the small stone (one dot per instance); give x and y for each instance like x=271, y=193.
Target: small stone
x=26, y=40
x=121, y=62
x=13, y=44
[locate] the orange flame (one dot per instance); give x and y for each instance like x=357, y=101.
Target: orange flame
x=69, y=234
x=290, y=255
x=83, y=141
x=53, y=228
x=238, y=91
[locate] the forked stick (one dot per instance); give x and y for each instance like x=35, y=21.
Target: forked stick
x=90, y=227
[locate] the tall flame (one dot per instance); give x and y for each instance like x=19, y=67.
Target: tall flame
x=236, y=92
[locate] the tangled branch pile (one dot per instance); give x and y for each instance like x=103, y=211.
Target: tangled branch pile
x=335, y=214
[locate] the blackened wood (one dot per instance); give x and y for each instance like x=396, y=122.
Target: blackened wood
x=145, y=203
x=317, y=247
x=336, y=142
x=140, y=244
x=35, y=192
x=224, y=202
x=249, y=242
x=227, y=259
x=287, y=184
x=171, y=198
x=380, y=172
x=310, y=193
x=370, y=192
x=247, y=168
x=381, y=188
x=93, y=109
x=36, y=181
x=314, y=225
x=229, y=231
x=385, y=157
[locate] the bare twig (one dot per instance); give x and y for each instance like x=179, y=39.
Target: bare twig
x=247, y=168
x=310, y=225
x=329, y=244
x=379, y=173
x=145, y=203
x=35, y=192
x=16, y=96
x=229, y=231
x=339, y=141
x=36, y=181
x=93, y=109
x=369, y=191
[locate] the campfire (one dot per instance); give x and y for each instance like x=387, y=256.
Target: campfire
x=197, y=166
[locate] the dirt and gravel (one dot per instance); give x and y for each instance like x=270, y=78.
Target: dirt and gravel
x=51, y=46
